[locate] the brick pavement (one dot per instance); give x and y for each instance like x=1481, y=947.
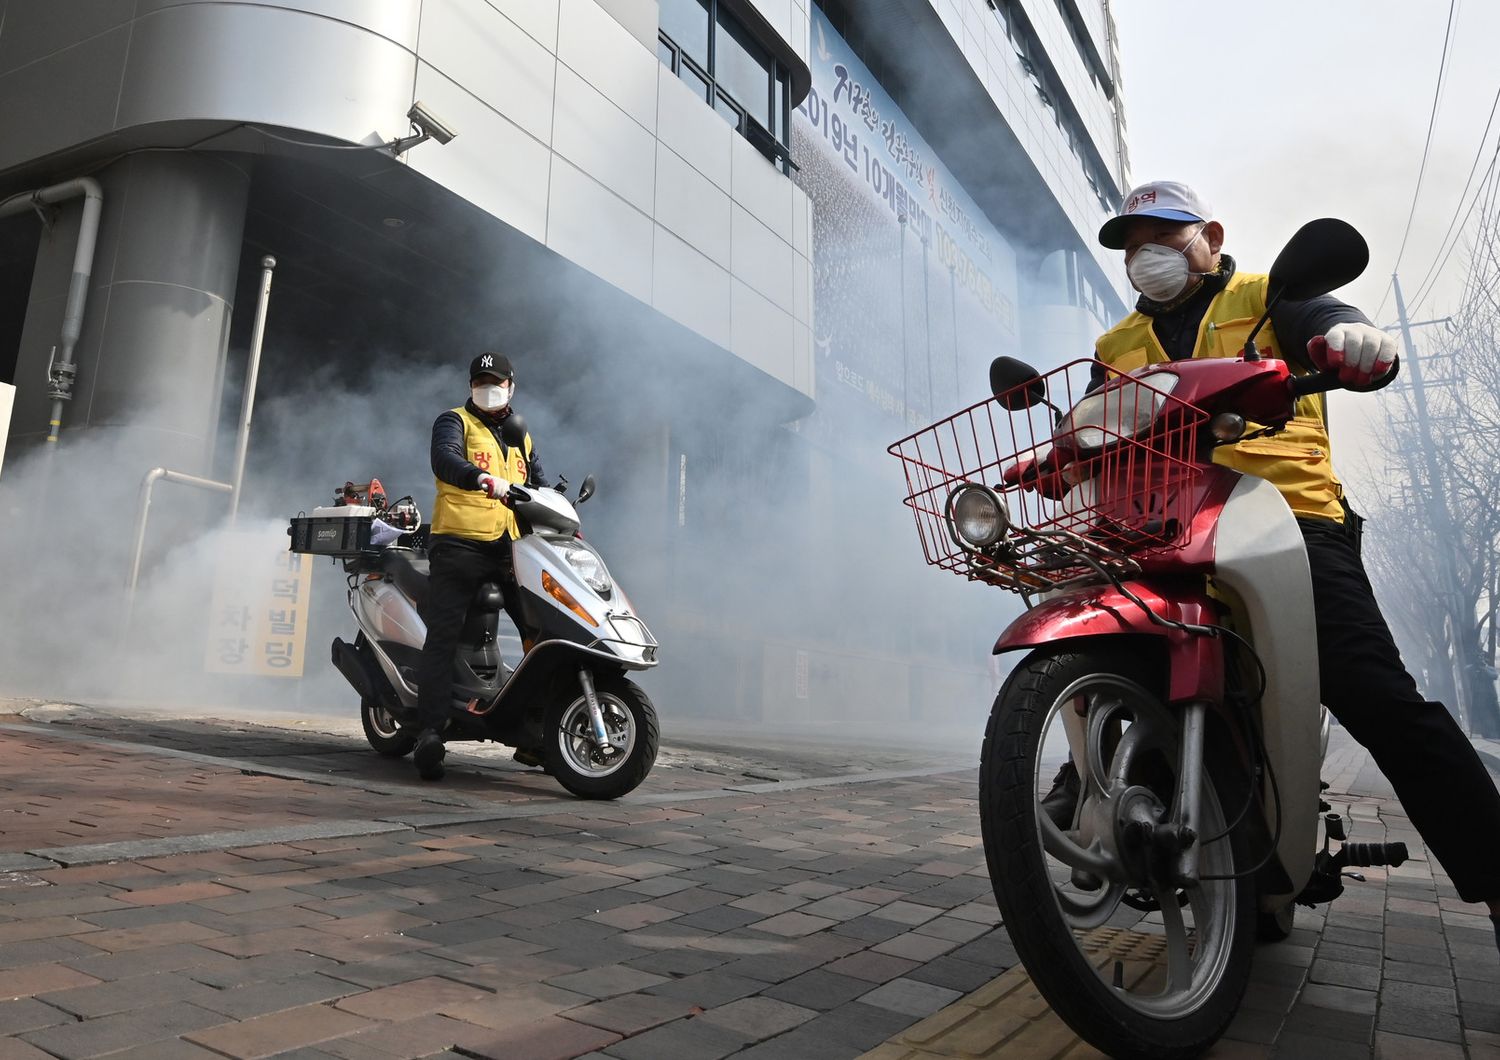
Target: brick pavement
x=711, y=921
x=1396, y=968
x=498, y=918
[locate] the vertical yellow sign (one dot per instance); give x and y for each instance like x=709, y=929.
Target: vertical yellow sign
x=257, y=621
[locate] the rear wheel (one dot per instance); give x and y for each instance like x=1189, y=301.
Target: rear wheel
x=1136, y=964
x=383, y=731
x=574, y=757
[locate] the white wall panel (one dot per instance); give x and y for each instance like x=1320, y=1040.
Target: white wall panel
x=760, y=187
x=690, y=288
x=801, y=222
x=492, y=162
x=692, y=206
x=44, y=29
x=609, y=58
x=395, y=19
x=802, y=289
x=761, y=333
x=604, y=141
x=689, y=127
x=597, y=229
x=71, y=96
x=264, y=64
x=492, y=58
x=760, y=258
x=536, y=17
x=800, y=27
x=804, y=373
x=779, y=14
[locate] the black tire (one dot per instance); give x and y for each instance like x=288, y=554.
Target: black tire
x=1030, y=904
x=1275, y=927
x=564, y=750
x=384, y=732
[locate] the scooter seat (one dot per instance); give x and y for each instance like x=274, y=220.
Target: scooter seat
x=408, y=569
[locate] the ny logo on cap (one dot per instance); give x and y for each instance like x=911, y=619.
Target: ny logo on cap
x=486, y=361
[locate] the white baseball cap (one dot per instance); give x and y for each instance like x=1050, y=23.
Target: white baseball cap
x=1167, y=199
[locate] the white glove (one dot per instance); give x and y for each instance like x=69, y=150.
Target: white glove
x=1360, y=353
x=489, y=485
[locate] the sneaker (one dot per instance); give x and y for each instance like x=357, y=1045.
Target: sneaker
x=1062, y=801
x=428, y=755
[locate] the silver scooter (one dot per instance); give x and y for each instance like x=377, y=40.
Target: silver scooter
x=567, y=704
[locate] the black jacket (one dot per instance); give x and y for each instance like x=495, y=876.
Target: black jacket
x=451, y=463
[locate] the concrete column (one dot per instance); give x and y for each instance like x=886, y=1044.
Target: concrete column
x=156, y=326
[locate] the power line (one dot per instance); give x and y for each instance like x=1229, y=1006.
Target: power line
x=1486, y=189
x=1437, y=92
x=1473, y=167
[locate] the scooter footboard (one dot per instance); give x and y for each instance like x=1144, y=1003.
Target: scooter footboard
x=1195, y=662
x=543, y=664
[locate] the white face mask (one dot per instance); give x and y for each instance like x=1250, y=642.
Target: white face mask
x=1161, y=273
x=492, y=397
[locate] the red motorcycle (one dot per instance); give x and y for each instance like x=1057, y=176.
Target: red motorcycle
x=1172, y=673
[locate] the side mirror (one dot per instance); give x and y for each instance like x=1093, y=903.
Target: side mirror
x=1007, y=378
x=1322, y=256
x=586, y=490
x=513, y=430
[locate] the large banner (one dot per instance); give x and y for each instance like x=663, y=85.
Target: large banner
x=914, y=289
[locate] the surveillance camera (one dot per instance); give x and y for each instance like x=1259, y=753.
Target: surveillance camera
x=423, y=119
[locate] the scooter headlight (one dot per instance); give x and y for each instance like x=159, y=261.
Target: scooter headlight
x=977, y=516
x=1122, y=411
x=588, y=566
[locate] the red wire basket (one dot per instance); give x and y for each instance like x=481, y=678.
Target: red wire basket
x=1086, y=495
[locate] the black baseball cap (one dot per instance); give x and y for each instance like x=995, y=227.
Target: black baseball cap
x=495, y=364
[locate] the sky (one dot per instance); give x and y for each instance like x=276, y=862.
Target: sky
x=1287, y=111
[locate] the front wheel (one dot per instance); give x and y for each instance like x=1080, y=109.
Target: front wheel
x=573, y=756
x=1136, y=964
x=383, y=731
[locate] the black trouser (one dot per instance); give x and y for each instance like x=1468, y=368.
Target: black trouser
x=457, y=568
x=1440, y=780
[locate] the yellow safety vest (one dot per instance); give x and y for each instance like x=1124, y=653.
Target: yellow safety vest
x=1295, y=460
x=469, y=513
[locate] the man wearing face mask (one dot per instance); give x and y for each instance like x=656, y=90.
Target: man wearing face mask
x=472, y=531
x=1195, y=303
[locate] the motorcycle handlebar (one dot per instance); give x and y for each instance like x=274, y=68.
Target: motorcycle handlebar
x=1321, y=382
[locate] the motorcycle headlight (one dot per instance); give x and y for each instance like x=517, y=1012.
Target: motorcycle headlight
x=977, y=516
x=588, y=566
x=1122, y=411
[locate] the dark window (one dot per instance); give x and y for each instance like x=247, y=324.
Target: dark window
x=726, y=109
x=705, y=45
x=743, y=68
x=686, y=22
x=698, y=80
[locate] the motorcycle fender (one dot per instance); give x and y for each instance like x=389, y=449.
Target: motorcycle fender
x=1195, y=663
x=525, y=689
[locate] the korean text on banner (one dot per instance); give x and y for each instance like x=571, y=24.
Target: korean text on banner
x=257, y=621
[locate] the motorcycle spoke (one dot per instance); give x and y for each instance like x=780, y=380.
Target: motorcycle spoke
x=1061, y=846
x=1179, y=956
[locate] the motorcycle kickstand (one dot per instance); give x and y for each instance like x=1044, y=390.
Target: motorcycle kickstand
x=596, y=714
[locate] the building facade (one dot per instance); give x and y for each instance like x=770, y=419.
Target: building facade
x=735, y=247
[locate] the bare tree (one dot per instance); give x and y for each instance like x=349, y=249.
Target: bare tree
x=1436, y=518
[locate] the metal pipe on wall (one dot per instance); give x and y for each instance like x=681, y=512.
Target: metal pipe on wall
x=252, y=372
x=147, y=484
x=61, y=373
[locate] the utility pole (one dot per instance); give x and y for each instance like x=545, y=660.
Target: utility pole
x=1446, y=531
